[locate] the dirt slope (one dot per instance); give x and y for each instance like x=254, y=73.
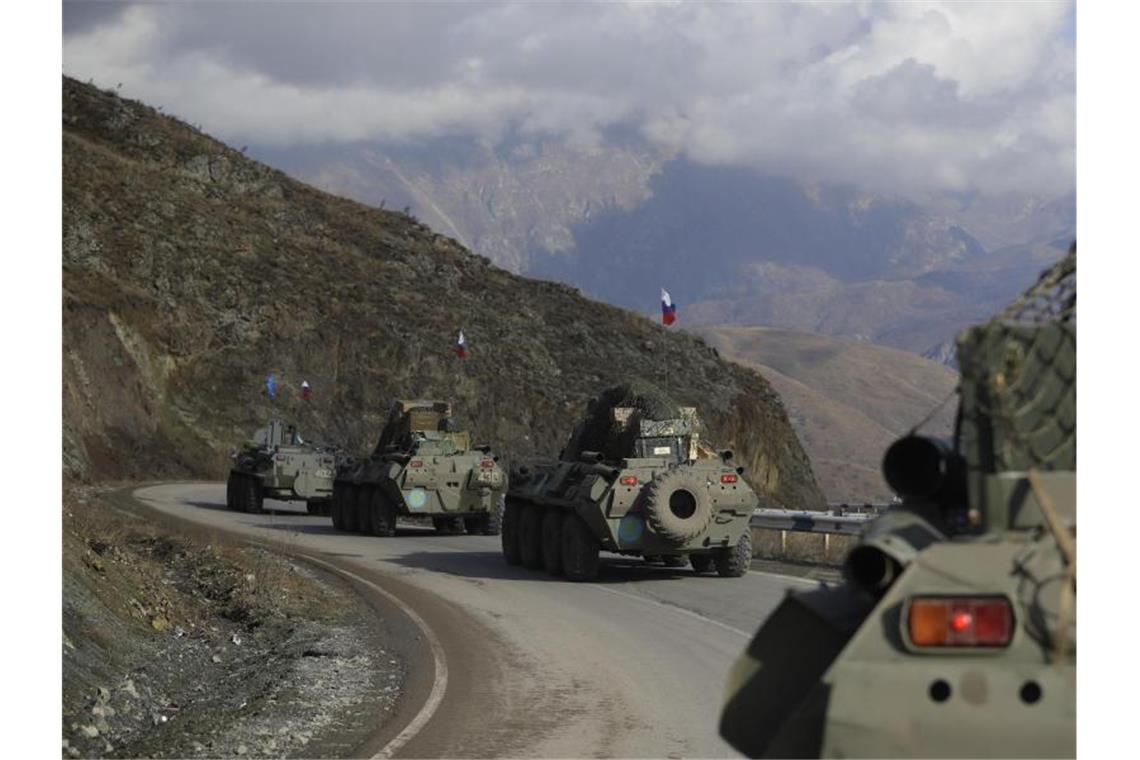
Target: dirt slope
x=190, y=272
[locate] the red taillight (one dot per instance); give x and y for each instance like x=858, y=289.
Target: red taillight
x=416, y=463
x=628, y=480
x=487, y=464
x=728, y=477
x=951, y=621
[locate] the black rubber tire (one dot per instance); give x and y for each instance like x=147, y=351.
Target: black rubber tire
x=351, y=515
x=581, y=552
x=382, y=515
x=530, y=537
x=475, y=525
x=659, y=511
x=675, y=560
x=254, y=499
x=702, y=563
x=552, y=541
x=239, y=493
x=734, y=561
x=231, y=492
x=312, y=507
x=510, y=534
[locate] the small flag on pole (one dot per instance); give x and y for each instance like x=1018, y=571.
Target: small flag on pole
x=668, y=309
x=461, y=346
x=271, y=386
x=306, y=390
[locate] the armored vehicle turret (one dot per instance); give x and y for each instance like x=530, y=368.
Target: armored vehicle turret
x=634, y=479
x=423, y=466
x=954, y=632
x=278, y=464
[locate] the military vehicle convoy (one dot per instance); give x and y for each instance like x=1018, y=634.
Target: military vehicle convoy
x=954, y=633
x=278, y=464
x=634, y=479
x=423, y=466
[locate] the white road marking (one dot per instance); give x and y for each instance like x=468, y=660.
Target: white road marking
x=674, y=608
x=438, y=688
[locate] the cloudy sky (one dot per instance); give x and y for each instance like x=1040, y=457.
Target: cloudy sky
x=909, y=97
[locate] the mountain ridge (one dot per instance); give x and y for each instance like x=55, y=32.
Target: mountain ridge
x=190, y=271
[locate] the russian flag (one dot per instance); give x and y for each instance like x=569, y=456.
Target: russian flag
x=668, y=309
x=306, y=390
x=461, y=346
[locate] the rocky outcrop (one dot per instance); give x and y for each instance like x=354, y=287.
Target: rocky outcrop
x=191, y=272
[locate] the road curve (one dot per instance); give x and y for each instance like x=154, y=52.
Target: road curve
x=630, y=666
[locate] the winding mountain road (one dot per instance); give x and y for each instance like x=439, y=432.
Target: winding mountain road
x=630, y=666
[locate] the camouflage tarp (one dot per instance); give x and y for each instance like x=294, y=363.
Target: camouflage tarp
x=1019, y=380
x=601, y=431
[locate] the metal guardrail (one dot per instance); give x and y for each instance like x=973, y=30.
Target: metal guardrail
x=847, y=522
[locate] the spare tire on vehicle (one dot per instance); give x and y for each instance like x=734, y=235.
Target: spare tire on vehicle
x=677, y=505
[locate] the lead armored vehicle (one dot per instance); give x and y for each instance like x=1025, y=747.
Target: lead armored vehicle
x=954, y=633
x=278, y=464
x=634, y=479
x=423, y=466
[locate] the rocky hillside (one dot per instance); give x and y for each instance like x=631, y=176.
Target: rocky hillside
x=848, y=400
x=190, y=272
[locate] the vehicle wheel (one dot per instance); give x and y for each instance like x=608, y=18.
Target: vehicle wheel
x=475, y=525
x=339, y=492
x=510, y=534
x=254, y=499
x=580, y=549
x=383, y=515
x=312, y=507
x=734, y=561
x=702, y=563
x=651, y=559
x=530, y=537
x=677, y=505
x=349, y=516
x=552, y=541
x=674, y=560
x=231, y=492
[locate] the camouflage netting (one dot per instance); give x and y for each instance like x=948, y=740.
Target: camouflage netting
x=599, y=432
x=1019, y=379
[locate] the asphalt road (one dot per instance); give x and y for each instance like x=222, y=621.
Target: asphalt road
x=632, y=665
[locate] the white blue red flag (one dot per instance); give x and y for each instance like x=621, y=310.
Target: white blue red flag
x=306, y=390
x=461, y=346
x=668, y=309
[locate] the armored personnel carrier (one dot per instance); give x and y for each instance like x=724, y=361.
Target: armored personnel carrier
x=423, y=466
x=278, y=464
x=634, y=479
x=954, y=633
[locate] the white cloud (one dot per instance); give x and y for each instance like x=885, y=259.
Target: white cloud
x=898, y=98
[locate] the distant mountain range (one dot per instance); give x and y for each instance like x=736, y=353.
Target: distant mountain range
x=732, y=245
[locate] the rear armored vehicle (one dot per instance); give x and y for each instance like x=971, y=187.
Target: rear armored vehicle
x=423, y=466
x=954, y=633
x=634, y=479
x=278, y=464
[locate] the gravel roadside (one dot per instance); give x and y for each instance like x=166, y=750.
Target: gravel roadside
x=173, y=647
